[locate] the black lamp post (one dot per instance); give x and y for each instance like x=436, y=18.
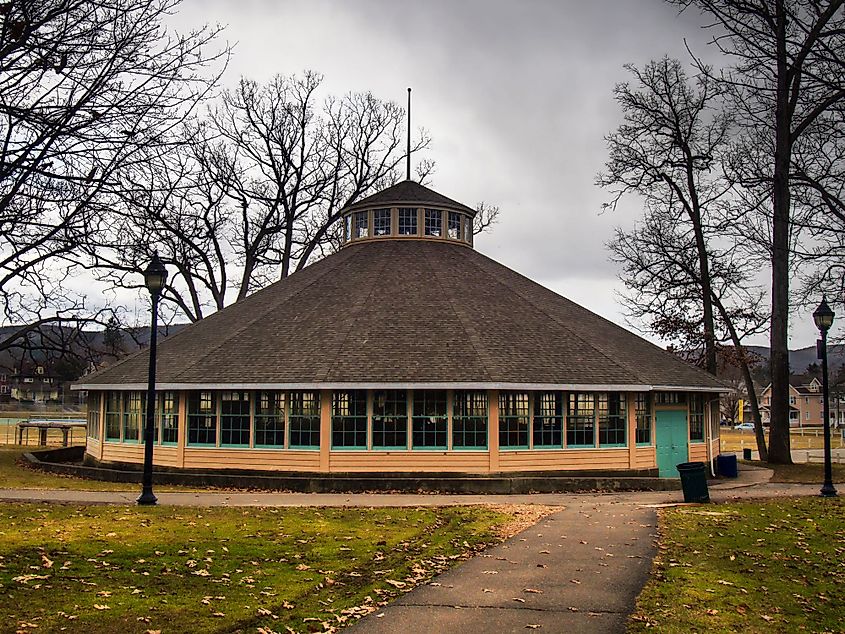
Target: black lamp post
x=155, y=276
x=823, y=316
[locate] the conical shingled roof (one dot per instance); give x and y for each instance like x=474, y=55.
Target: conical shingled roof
x=406, y=313
x=410, y=193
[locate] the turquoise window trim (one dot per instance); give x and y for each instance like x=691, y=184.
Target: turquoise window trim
x=350, y=448
x=472, y=448
x=305, y=447
x=264, y=446
x=169, y=444
x=645, y=444
x=547, y=447
x=130, y=441
x=390, y=448
x=615, y=445
x=234, y=446
x=515, y=448
x=580, y=447
x=201, y=444
x=697, y=442
x=430, y=448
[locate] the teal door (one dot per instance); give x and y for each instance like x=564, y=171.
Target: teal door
x=670, y=441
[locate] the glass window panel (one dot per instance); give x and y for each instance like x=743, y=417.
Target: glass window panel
x=513, y=420
x=390, y=419
x=381, y=222
x=234, y=419
x=430, y=420
x=349, y=419
x=613, y=419
x=454, y=228
x=696, y=417
x=548, y=419
x=469, y=420
x=407, y=221
x=270, y=419
x=133, y=416
x=643, y=412
x=202, y=418
x=304, y=420
x=114, y=414
x=347, y=228
x=362, y=224
x=581, y=420
x=433, y=222
x=93, y=416
x=167, y=417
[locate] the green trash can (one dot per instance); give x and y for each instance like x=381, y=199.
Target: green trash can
x=694, y=481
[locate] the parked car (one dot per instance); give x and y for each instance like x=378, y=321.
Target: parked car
x=745, y=427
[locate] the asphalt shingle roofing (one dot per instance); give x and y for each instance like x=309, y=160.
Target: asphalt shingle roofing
x=406, y=312
x=411, y=193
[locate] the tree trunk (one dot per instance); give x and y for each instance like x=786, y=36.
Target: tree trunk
x=779, y=449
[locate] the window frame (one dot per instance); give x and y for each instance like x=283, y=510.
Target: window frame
x=92, y=417
x=408, y=214
x=420, y=418
x=514, y=414
x=172, y=415
x=196, y=399
x=276, y=403
x=398, y=418
x=380, y=214
x=138, y=398
x=459, y=420
x=429, y=224
x=575, y=416
x=228, y=420
x=114, y=417
x=620, y=417
x=354, y=404
x=304, y=407
x=361, y=230
x=539, y=418
x=644, y=418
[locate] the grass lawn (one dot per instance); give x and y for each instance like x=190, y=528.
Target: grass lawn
x=806, y=473
x=736, y=440
x=14, y=475
x=124, y=569
x=771, y=566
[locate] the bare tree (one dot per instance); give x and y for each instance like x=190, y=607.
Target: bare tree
x=665, y=151
x=787, y=81
x=86, y=88
x=256, y=191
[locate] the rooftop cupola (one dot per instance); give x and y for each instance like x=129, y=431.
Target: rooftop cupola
x=408, y=211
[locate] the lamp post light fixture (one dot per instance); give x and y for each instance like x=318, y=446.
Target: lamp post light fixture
x=155, y=275
x=823, y=316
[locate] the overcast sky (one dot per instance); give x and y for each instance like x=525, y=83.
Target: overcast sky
x=517, y=97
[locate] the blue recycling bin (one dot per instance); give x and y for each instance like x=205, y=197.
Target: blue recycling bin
x=726, y=465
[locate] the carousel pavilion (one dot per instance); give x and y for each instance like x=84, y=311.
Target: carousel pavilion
x=407, y=351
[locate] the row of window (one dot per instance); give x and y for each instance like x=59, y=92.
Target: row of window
x=276, y=419
x=410, y=221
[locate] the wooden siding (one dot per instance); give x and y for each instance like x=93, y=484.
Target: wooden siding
x=92, y=447
x=698, y=452
x=645, y=458
x=433, y=461
x=715, y=449
x=257, y=459
x=162, y=456
x=564, y=460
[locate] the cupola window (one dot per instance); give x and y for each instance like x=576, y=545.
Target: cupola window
x=454, y=226
x=362, y=225
x=433, y=222
x=381, y=222
x=407, y=221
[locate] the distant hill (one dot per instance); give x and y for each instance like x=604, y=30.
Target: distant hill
x=801, y=358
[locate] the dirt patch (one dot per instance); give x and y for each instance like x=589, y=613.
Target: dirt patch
x=522, y=516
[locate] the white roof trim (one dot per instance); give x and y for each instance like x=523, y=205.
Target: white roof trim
x=581, y=387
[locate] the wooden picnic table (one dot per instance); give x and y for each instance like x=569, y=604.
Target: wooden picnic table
x=43, y=426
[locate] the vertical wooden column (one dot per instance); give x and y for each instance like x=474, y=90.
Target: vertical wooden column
x=182, y=428
x=325, y=428
x=493, y=428
x=632, y=429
